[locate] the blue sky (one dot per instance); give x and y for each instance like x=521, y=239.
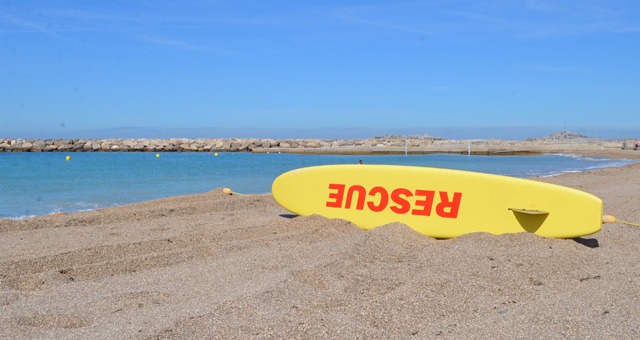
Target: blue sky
x=319, y=69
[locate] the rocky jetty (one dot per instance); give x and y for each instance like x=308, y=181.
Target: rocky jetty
x=391, y=144
x=566, y=135
x=165, y=145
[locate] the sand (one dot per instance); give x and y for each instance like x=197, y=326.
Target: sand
x=218, y=266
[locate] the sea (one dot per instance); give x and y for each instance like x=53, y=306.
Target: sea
x=34, y=184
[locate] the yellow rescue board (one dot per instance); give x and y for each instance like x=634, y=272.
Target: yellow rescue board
x=441, y=203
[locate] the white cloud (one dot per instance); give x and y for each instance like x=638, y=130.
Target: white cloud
x=552, y=68
x=173, y=43
x=387, y=25
x=29, y=26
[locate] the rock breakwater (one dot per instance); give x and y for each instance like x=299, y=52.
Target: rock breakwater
x=377, y=145
x=166, y=145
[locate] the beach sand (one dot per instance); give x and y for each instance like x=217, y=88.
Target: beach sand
x=218, y=266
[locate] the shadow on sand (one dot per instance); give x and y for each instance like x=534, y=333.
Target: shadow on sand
x=587, y=242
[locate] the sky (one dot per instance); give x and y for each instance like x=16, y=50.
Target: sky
x=510, y=69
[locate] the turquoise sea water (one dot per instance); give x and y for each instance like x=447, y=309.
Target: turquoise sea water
x=43, y=183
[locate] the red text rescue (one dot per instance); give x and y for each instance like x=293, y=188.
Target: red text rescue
x=400, y=200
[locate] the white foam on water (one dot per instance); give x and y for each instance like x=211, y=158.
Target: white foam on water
x=18, y=218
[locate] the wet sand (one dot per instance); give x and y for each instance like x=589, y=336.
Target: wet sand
x=213, y=265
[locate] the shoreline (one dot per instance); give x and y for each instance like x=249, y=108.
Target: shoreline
x=607, y=154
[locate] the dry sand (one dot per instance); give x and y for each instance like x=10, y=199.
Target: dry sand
x=219, y=266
